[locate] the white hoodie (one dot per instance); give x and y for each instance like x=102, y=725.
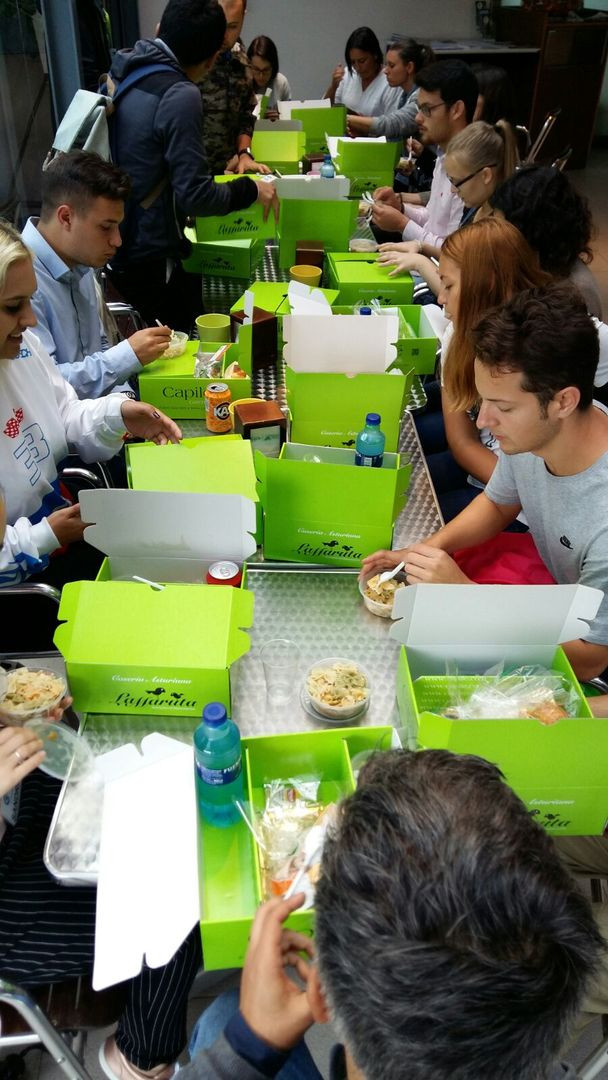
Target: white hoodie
x=41, y=421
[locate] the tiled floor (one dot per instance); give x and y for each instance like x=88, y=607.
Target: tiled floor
x=593, y=182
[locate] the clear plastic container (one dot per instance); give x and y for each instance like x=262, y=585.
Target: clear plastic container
x=27, y=692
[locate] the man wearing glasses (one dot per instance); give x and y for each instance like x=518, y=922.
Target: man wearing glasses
x=447, y=97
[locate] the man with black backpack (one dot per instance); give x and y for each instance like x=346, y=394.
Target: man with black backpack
x=156, y=136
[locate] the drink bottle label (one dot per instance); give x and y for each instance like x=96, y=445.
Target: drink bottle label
x=375, y=461
x=219, y=777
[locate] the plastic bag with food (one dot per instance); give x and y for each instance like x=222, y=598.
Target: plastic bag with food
x=292, y=828
x=528, y=691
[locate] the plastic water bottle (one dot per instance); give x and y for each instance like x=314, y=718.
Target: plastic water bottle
x=327, y=168
x=364, y=311
x=369, y=446
x=219, y=775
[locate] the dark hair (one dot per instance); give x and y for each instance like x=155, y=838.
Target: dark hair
x=193, y=30
x=498, y=93
x=547, y=335
x=454, y=80
x=452, y=943
x=265, y=48
x=555, y=220
x=409, y=50
x=364, y=39
x=79, y=177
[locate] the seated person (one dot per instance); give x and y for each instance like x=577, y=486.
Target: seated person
x=452, y=944
x=362, y=85
x=447, y=95
x=556, y=221
x=265, y=74
x=403, y=60
x=47, y=932
x=477, y=161
x=77, y=232
x=535, y=362
x=496, y=99
x=43, y=421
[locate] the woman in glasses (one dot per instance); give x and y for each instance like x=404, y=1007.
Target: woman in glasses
x=361, y=85
x=477, y=161
x=265, y=74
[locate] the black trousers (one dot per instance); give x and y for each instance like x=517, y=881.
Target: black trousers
x=47, y=933
x=175, y=302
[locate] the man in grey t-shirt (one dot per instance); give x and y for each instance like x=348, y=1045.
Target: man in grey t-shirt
x=535, y=367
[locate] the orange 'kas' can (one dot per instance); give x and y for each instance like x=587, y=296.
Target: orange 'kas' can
x=217, y=415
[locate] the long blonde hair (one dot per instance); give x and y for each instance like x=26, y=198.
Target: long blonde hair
x=12, y=249
x=481, y=145
x=495, y=262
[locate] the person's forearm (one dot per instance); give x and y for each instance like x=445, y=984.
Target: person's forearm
x=427, y=270
x=479, y=521
x=330, y=92
x=411, y=198
x=588, y=660
x=475, y=458
x=243, y=142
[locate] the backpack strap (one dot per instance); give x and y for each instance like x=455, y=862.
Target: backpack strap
x=136, y=75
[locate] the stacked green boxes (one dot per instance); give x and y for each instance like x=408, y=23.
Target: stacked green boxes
x=230, y=874
x=223, y=258
x=329, y=409
x=272, y=296
x=319, y=507
x=368, y=163
x=417, y=342
x=317, y=124
x=245, y=224
x=280, y=150
x=330, y=222
x=170, y=384
x=359, y=278
x=559, y=771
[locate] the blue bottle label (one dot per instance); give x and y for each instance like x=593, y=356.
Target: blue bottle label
x=374, y=461
x=219, y=777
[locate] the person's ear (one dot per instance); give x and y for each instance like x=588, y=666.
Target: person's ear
x=65, y=216
x=316, y=997
x=157, y=29
x=457, y=111
x=566, y=402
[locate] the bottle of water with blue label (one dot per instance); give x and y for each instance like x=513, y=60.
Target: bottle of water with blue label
x=327, y=168
x=369, y=446
x=219, y=775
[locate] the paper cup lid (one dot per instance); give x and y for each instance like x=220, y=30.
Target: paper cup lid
x=66, y=752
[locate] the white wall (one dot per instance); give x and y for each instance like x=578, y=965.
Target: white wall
x=310, y=34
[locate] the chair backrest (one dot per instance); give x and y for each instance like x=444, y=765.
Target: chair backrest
x=542, y=136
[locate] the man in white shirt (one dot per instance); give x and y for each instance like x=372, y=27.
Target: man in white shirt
x=447, y=96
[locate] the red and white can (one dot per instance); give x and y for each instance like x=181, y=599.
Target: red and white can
x=224, y=573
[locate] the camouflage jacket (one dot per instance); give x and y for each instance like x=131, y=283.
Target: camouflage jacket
x=228, y=104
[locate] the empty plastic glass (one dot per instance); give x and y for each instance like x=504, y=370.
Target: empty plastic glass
x=281, y=660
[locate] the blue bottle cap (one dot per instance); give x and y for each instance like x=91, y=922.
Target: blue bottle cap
x=365, y=311
x=372, y=418
x=327, y=159
x=214, y=714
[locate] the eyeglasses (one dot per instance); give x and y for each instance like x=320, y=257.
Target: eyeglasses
x=426, y=110
x=261, y=69
x=456, y=184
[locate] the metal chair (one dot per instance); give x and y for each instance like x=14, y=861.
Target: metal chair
x=542, y=136
x=562, y=159
x=58, y=1017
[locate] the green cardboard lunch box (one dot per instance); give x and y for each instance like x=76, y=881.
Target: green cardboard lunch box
x=319, y=507
x=223, y=258
x=358, y=277
x=417, y=343
x=170, y=383
x=560, y=771
x=329, y=409
x=331, y=222
x=134, y=649
x=245, y=224
x=272, y=296
x=282, y=150
x=368, y=164
x=230, y=875
x=317, y=124
x=220, y=465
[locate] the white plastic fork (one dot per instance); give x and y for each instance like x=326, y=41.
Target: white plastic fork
x=387, y=575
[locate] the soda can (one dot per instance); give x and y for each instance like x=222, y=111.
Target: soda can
x=224, y=573
x=217, y=414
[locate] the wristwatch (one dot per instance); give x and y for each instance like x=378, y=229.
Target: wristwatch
x=245, y=150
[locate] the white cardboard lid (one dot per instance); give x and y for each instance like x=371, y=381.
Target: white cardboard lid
x=169, y=524
x=312, y=186
x=500, y=615
x=306, y=301
x=333, y=141
x=340, y=343
x=285, y=107
x=147, y=895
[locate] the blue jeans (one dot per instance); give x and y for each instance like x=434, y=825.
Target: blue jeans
x=299, y=1065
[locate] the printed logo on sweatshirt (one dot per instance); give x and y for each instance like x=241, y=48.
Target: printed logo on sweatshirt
x=32, y=449
x=564, y=541
x=12, y=426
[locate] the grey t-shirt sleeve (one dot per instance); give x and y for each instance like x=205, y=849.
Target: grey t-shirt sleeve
x=594, y=573
x=502, y=487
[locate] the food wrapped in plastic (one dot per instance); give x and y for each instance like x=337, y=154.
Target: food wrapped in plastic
x=292, y=828
x=529, y=691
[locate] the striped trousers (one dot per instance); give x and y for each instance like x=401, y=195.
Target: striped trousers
x=47, y=933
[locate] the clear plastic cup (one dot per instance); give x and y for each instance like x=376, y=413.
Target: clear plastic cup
x=281, y=660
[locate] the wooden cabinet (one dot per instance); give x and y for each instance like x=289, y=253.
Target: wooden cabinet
x=569, y=74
